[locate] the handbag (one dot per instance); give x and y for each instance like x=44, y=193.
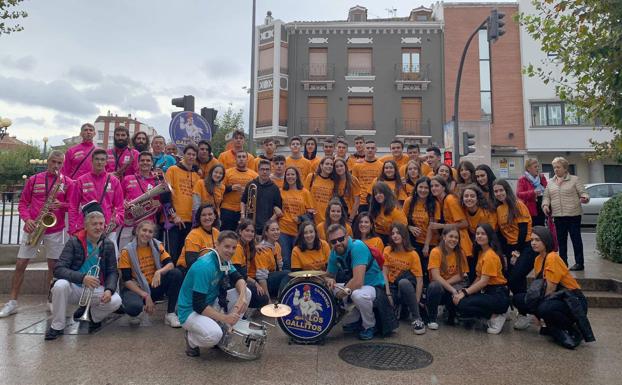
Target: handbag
x=551, y=225
x=536, y=290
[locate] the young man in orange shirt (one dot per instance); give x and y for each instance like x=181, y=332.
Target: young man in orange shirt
x=235, y=181
x=296, y=159
x=205, y=158
x=397, y=154
x=366, y=172
x=228, y=158
x=269, y=147
x=278, y=170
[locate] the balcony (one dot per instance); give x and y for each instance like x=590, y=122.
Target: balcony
x=316, y=126
x=412, y=77
x=354, y=128
x=412, y=131
x=360, y=72
x=318, y=77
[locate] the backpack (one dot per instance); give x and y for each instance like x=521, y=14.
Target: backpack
x=345, y=267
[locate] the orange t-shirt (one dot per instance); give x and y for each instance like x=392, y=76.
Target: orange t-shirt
x=267, y=259
x=489, y=264
x=398, y=261
x=145, y=260
x=451, y=260
x=421, y=219
x=366, y=172
x=383, y=222
x=231, y=200
x=322, y=233
x=375, y=242
x=353, y=161
x=227, y=159
x=206, y=197
x=355, y=191
x=205, y=167
x=241, y=256
x=424, y=169
x=197, y=240
x=311, y=259
x=401, y=194
x=303, y=165
x=182, y=183
x=401, y=162
x=453, y=213
x=277, y=181
x=315, y=162
x=295, y=203
x=322, y=192
x=556, y=271
x=510, y=230
x=480, y=216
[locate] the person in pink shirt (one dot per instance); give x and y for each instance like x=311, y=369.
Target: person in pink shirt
x=122, y=160
x=77, y=159
x=100, y=186
x=32, y=200
x=133, y=187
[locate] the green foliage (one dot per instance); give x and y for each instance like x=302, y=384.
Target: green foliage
x=8, y=13
x=609, y=230
x=15, y=163
x=585, y=37
x=227, y=123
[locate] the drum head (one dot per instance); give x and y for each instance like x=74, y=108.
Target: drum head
x=313, y=307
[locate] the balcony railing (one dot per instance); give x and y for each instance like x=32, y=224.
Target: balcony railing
x=361, y=126
x=318, y=72
x=10, y=222
x=412, y=77
x=360, y=70
x=316, y=126
x=264, y=123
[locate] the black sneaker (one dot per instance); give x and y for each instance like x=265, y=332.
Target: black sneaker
x=52, y=334
x=94, y=326
x=190, y=351
x=577, y=267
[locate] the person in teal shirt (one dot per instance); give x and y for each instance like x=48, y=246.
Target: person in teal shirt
x=161, y=160
x=360, y=274
x=199, y=307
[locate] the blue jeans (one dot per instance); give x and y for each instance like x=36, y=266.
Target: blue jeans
x=287, y=245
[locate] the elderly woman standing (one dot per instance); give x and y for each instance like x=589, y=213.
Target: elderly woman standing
x=530, y=190
x=562, y=199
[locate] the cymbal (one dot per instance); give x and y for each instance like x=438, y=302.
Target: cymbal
x=307, y=273
x=276, y=310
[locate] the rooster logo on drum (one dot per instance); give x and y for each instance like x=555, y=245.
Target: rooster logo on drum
x=308, y=307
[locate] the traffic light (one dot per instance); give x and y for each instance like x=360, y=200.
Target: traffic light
x=495, y=25
x=209, y=114
x=468, y=141
x=186, y=102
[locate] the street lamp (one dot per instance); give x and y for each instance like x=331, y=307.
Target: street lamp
x=4, y=125
x=45, y=146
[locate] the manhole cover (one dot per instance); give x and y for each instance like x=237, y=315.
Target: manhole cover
x=381, y=356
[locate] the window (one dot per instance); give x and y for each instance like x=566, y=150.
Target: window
x=613, y=174
x=360, y=114
x=318, y=58
x=411, y=116
x=485, y=88
x=264, y=109
x=284, y=58
x=283, y=109
x=555, y=114
x=317, y=108
x=599, y=191
x=266, y=60
x=100, y=135
x=410, y=59
x=360, y=62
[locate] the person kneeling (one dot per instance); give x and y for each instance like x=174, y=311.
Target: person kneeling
x=488, y=296
x=402, y=271
x=148, y=273
x=269, y=261
x=74, y=270
x=204, y=295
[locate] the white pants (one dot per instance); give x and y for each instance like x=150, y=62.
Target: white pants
x=363, y=300
x=203, y=331
x=125, y=237
x=64, y=293
x=53, y=245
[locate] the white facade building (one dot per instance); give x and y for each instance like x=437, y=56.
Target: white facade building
x=105, y=125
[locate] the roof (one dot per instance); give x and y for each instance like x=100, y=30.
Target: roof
x=9, y=142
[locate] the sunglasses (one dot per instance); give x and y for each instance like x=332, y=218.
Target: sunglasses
x=337, y=240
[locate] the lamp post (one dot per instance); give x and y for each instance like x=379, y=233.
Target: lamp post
x=5, y=123
x=45, y=146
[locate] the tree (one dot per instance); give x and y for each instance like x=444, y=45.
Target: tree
x=227, y=123
x=584, y=37
x=8, y=13
x=16, y=162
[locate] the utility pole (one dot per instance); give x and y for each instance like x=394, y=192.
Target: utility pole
x=251, y=89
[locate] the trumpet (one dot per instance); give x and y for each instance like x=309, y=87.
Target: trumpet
x=145, y=205
x=251, y=203
x=87, y=293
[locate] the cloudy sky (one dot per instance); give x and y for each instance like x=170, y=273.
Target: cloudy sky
x=77, y=59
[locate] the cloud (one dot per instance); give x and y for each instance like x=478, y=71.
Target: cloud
x=221, y=67
x=24, y=63
x=87, y=75
x=66, y=122
x=29, y=121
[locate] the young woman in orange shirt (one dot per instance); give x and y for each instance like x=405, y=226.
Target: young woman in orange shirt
x=485, y=178
x=466, y=175
x=321, y=185
x=211, y=189
x=384, y=211
x=347, y=187
x=477, y=210
x=310, y=252
x=420, y=209
x=244, y=262
x=203, y=235
x=363, y=229
x=445, y=172
x=390, y=175
x=269, y=272
x=335, y=214
x=412, y=172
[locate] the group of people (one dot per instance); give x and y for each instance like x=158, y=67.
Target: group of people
x=405, y=229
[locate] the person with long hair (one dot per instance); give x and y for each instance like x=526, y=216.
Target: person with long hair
x=488, y=295
x=244, y=262
x=335, y=213
x=310, y=252
x=390, y=175
x=561, y=321
x=447, y=268
x=485, y=178
x=321, y=185
x=466, y=175
x=297, y=203
x=202, y=236
x=347, y=187
x=514, y=224
x=477, y=210
x=363, y=229
x=310, y=152
x=530, y=189
x=269, y=271
x=451, y=213
x=384, y=211
x=211, y=189
x=403, y=275
x=445, y=172
x=420, y=209
x=412, y=172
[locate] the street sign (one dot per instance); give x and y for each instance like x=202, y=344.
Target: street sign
x=188, y=127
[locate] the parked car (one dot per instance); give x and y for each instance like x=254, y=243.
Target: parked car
x=599, y=194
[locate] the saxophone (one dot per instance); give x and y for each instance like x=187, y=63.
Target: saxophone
x=46, y=217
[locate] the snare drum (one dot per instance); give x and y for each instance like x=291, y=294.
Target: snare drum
x=245, y=340
x=314, y=310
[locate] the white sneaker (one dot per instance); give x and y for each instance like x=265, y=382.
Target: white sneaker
x=134, y=321
x=9, y=308
x=522, y=322
x=496, y=323
x=171, y=320
x=433, y=325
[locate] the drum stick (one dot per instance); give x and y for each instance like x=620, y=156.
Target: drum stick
x=346, y=290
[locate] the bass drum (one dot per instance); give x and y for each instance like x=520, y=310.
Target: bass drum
x=314, y=310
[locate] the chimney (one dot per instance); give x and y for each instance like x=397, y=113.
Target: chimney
x=357, y=13
x=269, y=18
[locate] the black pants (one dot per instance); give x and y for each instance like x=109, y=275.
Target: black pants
x=276, y=282
x=539, y=219
x=493, y=300
x=572, y=226
x=404, y=293
x=170, y=285
x=517, y=273
x=176, y=240
x=424, y=260
x=437, y=295
x=257, y=301
x=555, y=312
x=229, y=219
